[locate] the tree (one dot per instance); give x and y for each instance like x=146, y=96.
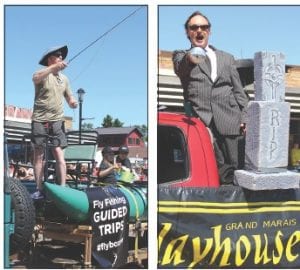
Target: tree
x=108, y=121
x=117, y=123
x=87, y=126
x=144, y=130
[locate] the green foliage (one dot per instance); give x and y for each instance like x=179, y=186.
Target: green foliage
x=117, y=123
x=87, y=126
x=144, y=130
x=108, y=121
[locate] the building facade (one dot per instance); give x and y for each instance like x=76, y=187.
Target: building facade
x=118, y=136
x=17, y=127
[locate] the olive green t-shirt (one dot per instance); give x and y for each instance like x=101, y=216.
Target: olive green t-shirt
x=49, y=98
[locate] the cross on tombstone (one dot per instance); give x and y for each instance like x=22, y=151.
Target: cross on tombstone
x=269, y=71
x=273, y=76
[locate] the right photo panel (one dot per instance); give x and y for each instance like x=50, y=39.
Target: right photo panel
x=228, y=136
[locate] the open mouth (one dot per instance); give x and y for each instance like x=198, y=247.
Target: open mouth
x=199, y=37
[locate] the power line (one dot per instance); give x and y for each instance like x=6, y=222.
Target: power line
x=108, y=31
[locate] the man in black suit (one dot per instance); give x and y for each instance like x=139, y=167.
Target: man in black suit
x=212, y=87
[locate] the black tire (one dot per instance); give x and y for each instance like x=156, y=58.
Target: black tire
x=24, y=212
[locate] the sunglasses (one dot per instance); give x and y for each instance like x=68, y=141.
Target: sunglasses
x=57, y=54
x=195, y=27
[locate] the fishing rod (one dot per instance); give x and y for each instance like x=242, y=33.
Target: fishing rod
x=103, y=35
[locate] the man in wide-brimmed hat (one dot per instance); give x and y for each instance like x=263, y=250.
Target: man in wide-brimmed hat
x=51, y=87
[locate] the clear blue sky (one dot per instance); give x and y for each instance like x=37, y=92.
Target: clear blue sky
x=113, y=72
x=239, y=30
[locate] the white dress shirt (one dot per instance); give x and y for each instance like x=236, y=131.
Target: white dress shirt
x=213, y=62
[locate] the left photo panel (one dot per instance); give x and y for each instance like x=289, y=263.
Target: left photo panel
x=75, y=136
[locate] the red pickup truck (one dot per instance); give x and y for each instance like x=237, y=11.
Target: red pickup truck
x=185, y=154
x=202, y=224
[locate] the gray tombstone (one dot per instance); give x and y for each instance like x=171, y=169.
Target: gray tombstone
x=267, y=136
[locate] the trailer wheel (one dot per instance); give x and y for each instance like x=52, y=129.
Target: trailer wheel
x=24, y=212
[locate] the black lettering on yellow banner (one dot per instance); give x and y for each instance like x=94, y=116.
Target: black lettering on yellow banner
x=245, y=230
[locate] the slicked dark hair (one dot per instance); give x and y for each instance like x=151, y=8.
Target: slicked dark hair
x=196, y=13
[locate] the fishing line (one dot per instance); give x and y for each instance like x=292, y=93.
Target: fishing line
x=74, y=115
x=107, y=32
x=85, y=68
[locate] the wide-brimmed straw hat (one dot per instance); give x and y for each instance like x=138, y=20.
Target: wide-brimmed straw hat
x=62, y=49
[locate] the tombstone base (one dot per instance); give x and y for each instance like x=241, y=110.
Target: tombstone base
x=267, y=181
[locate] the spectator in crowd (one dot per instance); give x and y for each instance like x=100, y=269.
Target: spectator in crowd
x=30, y=174
x=21, y=173
x=84, y=172
x=139, y=173
x=11, y=170
x=295, y=156
x=108, y=168
x=95, y=170
x=24, y=173
x=122, y=158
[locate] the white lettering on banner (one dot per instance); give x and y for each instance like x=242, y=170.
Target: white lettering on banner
x=110, y=214
x=109, y=245
x=112, y=228
x=114, y=201
x=109, y=202
x=98, y=204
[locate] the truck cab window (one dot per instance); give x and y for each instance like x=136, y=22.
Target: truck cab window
x=172, y=159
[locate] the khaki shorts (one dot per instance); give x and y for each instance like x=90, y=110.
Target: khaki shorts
x=55, y=131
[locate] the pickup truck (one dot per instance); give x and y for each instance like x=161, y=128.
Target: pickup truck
x=186, y=156
x=202, y=224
